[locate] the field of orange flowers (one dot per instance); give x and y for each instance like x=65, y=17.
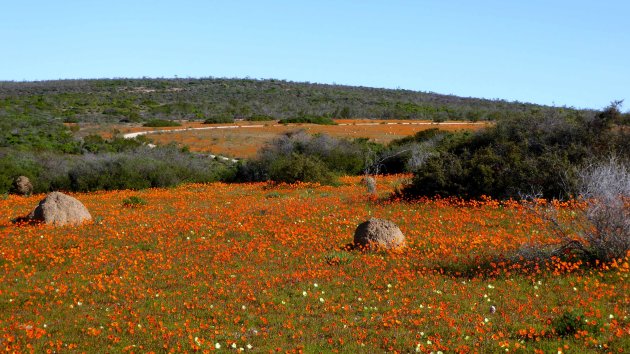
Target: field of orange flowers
x=244, y=139
x=262, y=268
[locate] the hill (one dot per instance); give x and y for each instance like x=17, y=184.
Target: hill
x=143, y=99
x=35, y=143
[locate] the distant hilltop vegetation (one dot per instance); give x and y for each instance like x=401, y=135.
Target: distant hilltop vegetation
x=137, y=100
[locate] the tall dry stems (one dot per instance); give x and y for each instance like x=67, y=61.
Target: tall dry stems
x=601, y=230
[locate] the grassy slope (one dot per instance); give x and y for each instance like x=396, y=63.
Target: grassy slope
x=250, y=264
x=143, y=99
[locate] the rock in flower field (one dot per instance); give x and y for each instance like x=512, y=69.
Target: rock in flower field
x=262, y=268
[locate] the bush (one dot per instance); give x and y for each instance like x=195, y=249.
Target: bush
x=605, y=186
x=598, y=232
x=157, y=123
x=260, y=118
x=13, y=165
x=96, y=144
x=518, y=154
x=308, y=119
x=137, y=168
x=300, y=168
x=339, y=257
x=338, y=156
x=218, y=119
x=568, y=324
x=28, y=132
x=144, y=168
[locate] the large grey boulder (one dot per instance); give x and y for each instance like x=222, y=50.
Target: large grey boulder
x=379, y=233
x=60, y=209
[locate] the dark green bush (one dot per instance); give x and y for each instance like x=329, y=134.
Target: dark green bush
x=309, y=119
x=260, y=118
x=218, y=119
x=13, y=165
x=40, y=132
x=338, y=156
x=300, y=168
x=519, y=155
x=568, y=324
x=157, y=123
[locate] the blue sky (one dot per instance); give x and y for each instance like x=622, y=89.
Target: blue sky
x=573, y=53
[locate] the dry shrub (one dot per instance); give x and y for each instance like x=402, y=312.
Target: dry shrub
x=600, y=231
x=370, y=184
x=606, y=190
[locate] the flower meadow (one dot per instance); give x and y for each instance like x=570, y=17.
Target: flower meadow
x=267, y=268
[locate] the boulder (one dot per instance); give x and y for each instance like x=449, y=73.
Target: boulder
x=379, y=233
x=60, y=209
x=23, y=186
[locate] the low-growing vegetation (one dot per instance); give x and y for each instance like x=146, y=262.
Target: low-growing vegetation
x=260, y=118
x=218, y=119
x=132, y=168
x=308, y=119
x=136, y=100
x=298, y=156
x=134, y=202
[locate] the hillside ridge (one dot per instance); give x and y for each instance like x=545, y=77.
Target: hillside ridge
x=200, y=98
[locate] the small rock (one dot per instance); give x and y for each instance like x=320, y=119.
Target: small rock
x=23, y=185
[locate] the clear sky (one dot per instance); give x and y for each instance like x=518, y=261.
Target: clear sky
x=573, y=53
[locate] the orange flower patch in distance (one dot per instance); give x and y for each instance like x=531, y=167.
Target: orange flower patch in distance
x=244, y=139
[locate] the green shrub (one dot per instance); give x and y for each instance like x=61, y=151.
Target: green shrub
x=339, y=257
x=300, y=168
x=337, y=156
x=134, y=202
x=157, y=123
x=421, y=136
x=71, y=120
x=218, y=119
x=309, y=119
x=13, y=165
x=27, y=132
x=137, y=168
x=96, y=144
x=518, y=155
x=260, y=118
x=568, y=324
